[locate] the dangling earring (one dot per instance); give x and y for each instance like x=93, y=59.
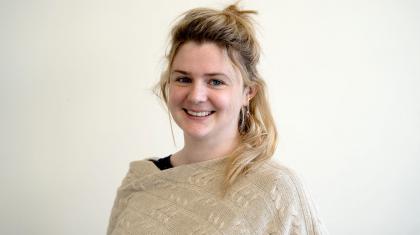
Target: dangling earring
x=243, y=119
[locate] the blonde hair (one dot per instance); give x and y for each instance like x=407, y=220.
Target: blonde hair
x=233, y=30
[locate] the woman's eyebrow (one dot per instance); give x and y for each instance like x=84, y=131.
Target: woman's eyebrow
x=215, y=74
x=206, y=74
x=180, y=71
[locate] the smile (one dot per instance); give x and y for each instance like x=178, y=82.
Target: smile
x=198, y=114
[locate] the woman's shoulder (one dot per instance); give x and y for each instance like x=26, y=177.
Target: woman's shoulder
x=138, y=169
x=279, y=180
x=273, y=172
x=288, y=195
x=144, y=163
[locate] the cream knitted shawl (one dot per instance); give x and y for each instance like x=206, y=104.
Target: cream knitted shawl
x=187, y=199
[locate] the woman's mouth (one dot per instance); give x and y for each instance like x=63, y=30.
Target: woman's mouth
x=198, y=114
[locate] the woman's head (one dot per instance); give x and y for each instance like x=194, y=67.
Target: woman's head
x=206, y=93
x=231, y=30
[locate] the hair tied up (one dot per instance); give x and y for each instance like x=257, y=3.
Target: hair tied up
x=234, y=10
x=233, y=30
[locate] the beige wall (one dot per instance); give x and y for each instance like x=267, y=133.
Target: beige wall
x=344, y=80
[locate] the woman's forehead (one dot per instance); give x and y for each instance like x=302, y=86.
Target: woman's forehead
x=203, y=58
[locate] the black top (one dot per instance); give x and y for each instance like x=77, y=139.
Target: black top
x=163, y=163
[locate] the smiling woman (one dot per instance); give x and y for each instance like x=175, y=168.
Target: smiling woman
x=205, y=100
x=223, y=180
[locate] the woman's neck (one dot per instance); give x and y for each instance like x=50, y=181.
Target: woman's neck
x=203, y=150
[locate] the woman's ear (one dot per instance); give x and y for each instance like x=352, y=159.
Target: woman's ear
x=249, y=93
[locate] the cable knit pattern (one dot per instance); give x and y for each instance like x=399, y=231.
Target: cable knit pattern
x=188, y=199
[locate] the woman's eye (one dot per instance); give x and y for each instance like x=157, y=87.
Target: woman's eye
x=183, y=80
x=215, y=82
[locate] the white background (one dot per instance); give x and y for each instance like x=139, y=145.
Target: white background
x=76, y=106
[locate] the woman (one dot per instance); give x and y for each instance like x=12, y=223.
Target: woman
x=222, y=181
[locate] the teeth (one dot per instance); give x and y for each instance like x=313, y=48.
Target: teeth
x=198, y=114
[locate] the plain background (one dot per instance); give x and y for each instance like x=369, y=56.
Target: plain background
x=76, y=106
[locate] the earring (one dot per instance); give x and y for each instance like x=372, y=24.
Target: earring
x=243, y=119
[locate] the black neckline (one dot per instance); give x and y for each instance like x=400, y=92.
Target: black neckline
x=163, y=163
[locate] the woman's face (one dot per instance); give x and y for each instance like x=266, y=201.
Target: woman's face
x=205, y=92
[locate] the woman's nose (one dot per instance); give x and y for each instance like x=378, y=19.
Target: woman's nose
x=197, y=93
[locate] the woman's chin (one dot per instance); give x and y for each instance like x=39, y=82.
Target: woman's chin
x=197, y=135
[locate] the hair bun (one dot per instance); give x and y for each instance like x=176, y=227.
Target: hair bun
x=234, y=9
